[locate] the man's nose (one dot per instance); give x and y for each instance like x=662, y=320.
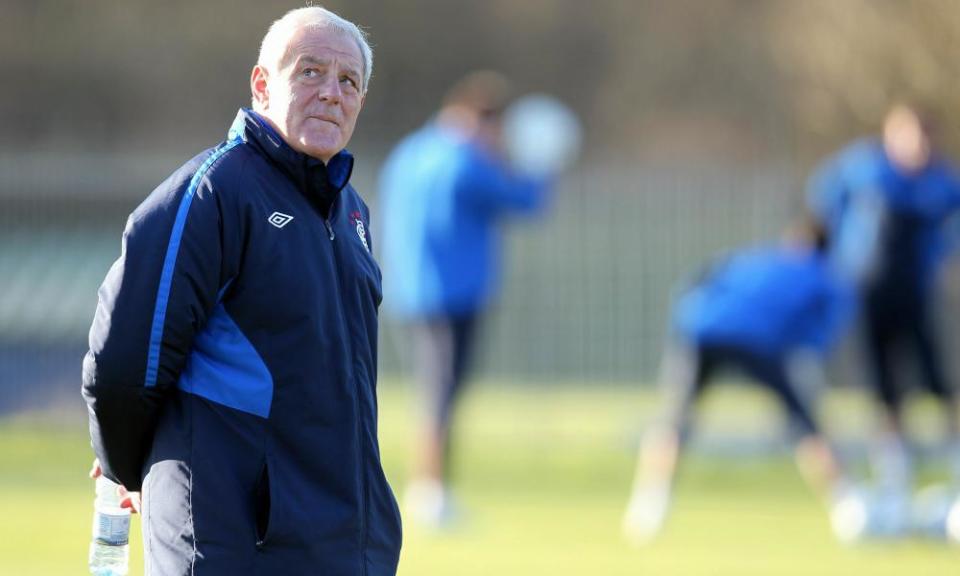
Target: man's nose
x=329, y=90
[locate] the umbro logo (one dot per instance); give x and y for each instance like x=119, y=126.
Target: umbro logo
x=279, y=219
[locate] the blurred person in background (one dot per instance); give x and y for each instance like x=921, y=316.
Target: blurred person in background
x=232, y=363
x=445, y=192
x=888, y=203
x=770, y=313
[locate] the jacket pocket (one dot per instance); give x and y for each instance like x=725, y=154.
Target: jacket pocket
x=262, y=505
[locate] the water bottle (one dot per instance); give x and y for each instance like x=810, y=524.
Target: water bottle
x=109, y=548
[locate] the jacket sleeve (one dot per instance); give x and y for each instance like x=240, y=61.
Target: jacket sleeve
x=155, y=298
x=951, y=223
x=495, y=187
x=827, y=192
x=834, y=309
x=846, y=196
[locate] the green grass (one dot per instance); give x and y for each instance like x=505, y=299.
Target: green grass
x=543, y=475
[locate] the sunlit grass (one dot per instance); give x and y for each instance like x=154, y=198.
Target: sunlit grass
x=542, y=476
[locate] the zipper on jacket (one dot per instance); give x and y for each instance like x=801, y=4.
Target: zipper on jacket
x=361, y=476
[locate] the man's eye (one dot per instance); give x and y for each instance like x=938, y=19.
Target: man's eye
x=309, y=72
x=348, y=80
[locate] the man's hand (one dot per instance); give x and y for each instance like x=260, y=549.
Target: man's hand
x=128, y=499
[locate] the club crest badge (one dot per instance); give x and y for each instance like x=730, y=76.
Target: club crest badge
x=361, y=229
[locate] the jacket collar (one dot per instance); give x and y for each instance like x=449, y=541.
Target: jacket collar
x=320, y=182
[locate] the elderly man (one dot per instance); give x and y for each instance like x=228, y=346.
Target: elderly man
x=232, y=362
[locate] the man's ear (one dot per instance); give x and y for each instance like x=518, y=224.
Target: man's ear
x=258, y=87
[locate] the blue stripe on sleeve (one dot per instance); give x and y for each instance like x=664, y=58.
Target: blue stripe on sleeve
x=169, y=263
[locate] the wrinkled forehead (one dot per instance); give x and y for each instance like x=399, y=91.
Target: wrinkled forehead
x=321, y=39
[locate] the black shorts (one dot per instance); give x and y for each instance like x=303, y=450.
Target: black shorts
x=706, y=361
x=444, y=346
x=899, y=323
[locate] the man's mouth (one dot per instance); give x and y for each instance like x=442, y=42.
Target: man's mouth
x=326, y=119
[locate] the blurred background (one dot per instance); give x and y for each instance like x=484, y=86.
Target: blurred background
x=702, y=122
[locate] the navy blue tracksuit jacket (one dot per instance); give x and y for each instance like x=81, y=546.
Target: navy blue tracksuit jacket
x=232, y=367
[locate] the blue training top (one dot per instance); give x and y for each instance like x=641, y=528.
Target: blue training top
x=887, y=225
x=769, y=301
x=442, y=197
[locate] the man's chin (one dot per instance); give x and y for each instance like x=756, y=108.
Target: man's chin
x=323, y=149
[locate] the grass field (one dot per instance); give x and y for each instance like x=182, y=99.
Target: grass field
x=543, y=477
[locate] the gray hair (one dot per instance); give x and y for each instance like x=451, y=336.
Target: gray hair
x=275, y=41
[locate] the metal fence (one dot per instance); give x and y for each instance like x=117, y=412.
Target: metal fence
x=586, y=288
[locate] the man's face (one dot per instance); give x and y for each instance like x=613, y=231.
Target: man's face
x=906, y=140
x=313, y=95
